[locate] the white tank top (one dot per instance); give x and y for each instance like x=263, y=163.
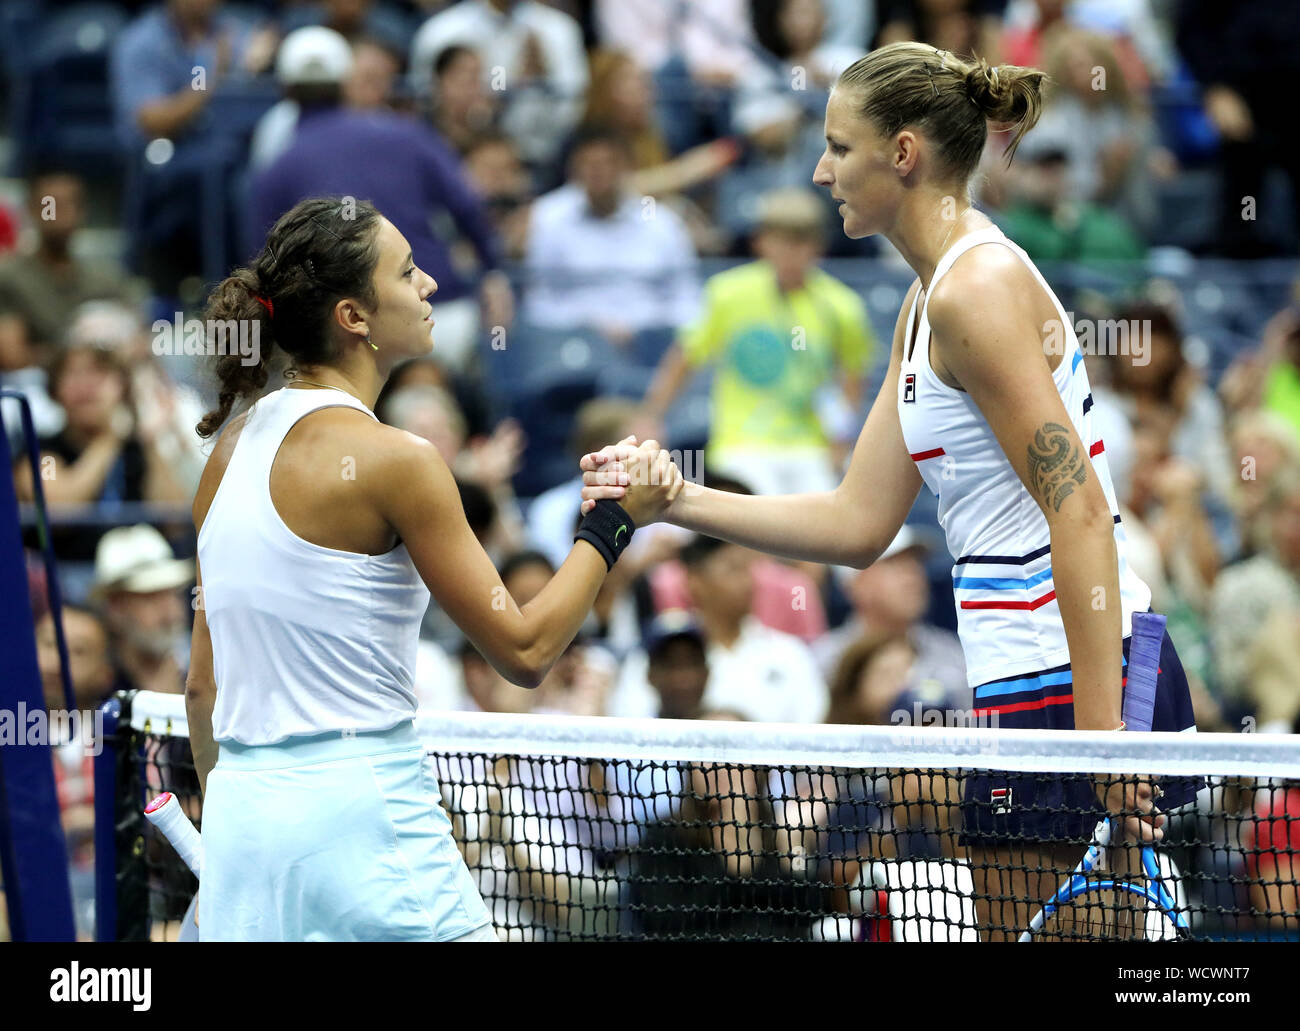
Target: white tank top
x=305, y=639
x=1007, y=615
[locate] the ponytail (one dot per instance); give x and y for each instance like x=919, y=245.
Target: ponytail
x=237, y=298
x=949, y=99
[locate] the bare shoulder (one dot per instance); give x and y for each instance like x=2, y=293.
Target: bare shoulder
x=982, y=282
x=215, y=468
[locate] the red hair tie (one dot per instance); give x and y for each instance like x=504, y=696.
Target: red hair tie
x=270, y=308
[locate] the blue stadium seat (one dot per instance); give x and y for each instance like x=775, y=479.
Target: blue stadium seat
x=647, y=346
x=66, y=112
x=541, y=377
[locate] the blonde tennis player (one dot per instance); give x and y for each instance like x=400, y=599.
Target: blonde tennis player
x=321, y=534
x=987, y=403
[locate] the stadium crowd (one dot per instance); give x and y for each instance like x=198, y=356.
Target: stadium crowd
x=614, y=197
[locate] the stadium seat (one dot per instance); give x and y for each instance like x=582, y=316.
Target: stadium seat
x=648, y=346
x=66, y=110
x=541, y=377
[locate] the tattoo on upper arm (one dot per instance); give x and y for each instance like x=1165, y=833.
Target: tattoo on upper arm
x=1055, y=464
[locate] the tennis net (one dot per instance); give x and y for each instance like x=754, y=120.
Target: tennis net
x=612, y=829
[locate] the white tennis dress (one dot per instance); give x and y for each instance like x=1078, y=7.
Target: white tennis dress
x=321, y=819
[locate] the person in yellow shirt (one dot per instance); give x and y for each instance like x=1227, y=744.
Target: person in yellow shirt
x=777, y=332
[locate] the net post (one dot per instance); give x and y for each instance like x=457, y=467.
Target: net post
x=116, y=712
x=121, y=868
x=33, y=852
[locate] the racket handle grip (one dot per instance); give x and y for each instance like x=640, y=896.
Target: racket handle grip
x=165, y=813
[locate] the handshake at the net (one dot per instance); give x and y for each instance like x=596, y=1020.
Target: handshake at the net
x=642, y=478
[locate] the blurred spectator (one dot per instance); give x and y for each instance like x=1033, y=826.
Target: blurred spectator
x=1026, y=23
x=905, y=813
x=49, y=281
x=462, y=107
x=429, y=371
x=892, y=595
x=1281, y=393
x=531, y=53
x=1273, y=677
x=493, y=166
x=21, y=369
x=1153, y=380
x=600, y=257
x=699, y=50
x=1238, y=54
x=1174, y=548
x=716, y=869
x=9, y=228
x=787, y=93
x=166, y=411
x=311, y=67
x=580, y=682
x=778, y=330
x=488, y=462
x=409, y=174
x=787, y=596
x=1264, y=445
x=1272, y=838
x=779, y=110
x=1248, y=591
x=106, y=452
x=138, y=583
x=761, y=673
x=1100, y=125
x=90, y=663
x=871, y=679
x=962, y=26
x=1269, y=376
x=1050, y=225
x=376, y=79
x=678, y=665
x=622, y=98
x=1139, y=39
x=354, y=20
x=167, y=67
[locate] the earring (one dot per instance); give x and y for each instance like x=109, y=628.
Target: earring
x=373, y=346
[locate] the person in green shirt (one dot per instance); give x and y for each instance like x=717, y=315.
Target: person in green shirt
x=777, y=332
x=1052, y=227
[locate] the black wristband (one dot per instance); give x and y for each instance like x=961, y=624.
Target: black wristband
x=607, y=528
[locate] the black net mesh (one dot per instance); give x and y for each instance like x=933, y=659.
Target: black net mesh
x=567, y=848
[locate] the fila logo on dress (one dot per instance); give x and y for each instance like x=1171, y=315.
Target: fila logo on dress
x=909, y=388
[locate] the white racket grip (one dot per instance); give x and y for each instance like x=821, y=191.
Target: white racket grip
x=165, y=813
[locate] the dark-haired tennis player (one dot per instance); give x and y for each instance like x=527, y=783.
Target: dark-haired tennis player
x=321, y=534
x=987, y=403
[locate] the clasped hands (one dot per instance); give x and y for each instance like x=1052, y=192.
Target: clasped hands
x=642, y=478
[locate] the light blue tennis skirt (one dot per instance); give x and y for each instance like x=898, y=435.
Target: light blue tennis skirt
x=332, y=838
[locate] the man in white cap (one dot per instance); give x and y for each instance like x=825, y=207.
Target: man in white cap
x=137, y=583
x=311, y=67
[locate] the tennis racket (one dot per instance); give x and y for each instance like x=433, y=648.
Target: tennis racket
x=165, y=813
x=1139, y=709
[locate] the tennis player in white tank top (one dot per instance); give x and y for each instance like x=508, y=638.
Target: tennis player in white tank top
x=321, y=534
x=983, y=363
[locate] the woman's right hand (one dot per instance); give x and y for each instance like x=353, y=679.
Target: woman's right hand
x=1134, y=802
x=642, y=478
